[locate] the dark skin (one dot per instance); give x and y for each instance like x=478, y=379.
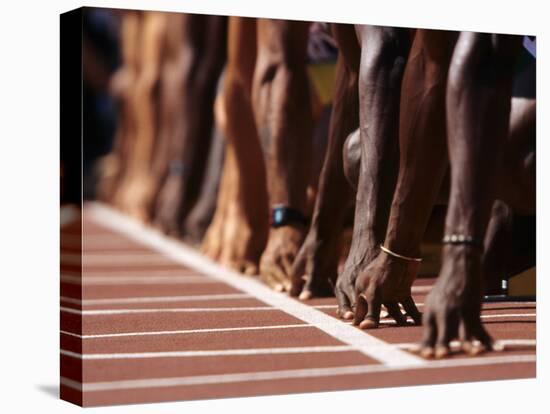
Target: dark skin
x=387, y=279
x=284, y=120
x=203, y=211
x=391, y=277
x=478, y=110
x=383, y=56
x=191, y=82
x=317, y=259
x=238, y=232
x=376, y=68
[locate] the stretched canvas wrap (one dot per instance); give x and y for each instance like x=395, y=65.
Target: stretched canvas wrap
x=263, y=207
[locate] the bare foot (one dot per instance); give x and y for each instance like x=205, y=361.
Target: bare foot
x=279, y=255
x=453, y=306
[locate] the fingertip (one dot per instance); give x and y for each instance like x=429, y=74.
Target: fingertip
x=441, y=351
x=348, y=315
x=368, y=324
x=305, y=295
x=427, y=352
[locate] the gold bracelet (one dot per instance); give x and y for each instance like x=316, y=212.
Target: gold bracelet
x=411, y=259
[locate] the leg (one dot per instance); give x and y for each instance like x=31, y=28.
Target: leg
x=197, y=69
x=284, y=121
x=384, y=53
x=317, y=260
x=478, y=109
x=387, y=279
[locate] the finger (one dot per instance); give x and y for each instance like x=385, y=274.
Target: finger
x=371, y=317
x=361, y=309
x=268, y=279
x=297, y=284
x=344, y=306
x=395, y=312
x=426, y=349
x=485, y=339
x=447, y=330
x=318, y=285
x=279, y=275
x=250, y=269
x=286, y=261
x=412, y=310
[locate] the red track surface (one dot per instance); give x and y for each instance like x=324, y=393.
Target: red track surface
x=141, y=327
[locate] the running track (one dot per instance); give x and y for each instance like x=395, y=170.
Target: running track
x=152, y=320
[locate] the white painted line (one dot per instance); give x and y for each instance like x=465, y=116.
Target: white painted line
x=135, y=280
x=154, y=299
x=216, y=352
x=421, y=289
x=100, y=312
x=88, y=259
x=287, y=374
x=508, y=315
x=178, y=252
x=185, y=331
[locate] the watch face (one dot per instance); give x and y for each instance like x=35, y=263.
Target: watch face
x=278, y=216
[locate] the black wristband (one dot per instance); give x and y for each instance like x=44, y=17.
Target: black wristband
x=284, y=215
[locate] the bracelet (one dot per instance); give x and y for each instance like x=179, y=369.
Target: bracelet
x=410, y=259
x=283, y=215
x=460, y=239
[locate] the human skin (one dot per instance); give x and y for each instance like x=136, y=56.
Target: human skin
x=191, y=82
x=238, y=232
x=284, y=120
x=387, y=279
x=478, y=110
x=316, y=264
x=135, y=186
x=113, y=166
x=384, y=53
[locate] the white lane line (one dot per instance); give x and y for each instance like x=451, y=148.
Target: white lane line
x=421, y=289
x=185, y=331
x=135, y=280
x=508, y=315
x=216, y=352
x=178, y=252
x=287, y=374
x=100, y=312
x=96, y=312
x=88, y=259
x=153, y=299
